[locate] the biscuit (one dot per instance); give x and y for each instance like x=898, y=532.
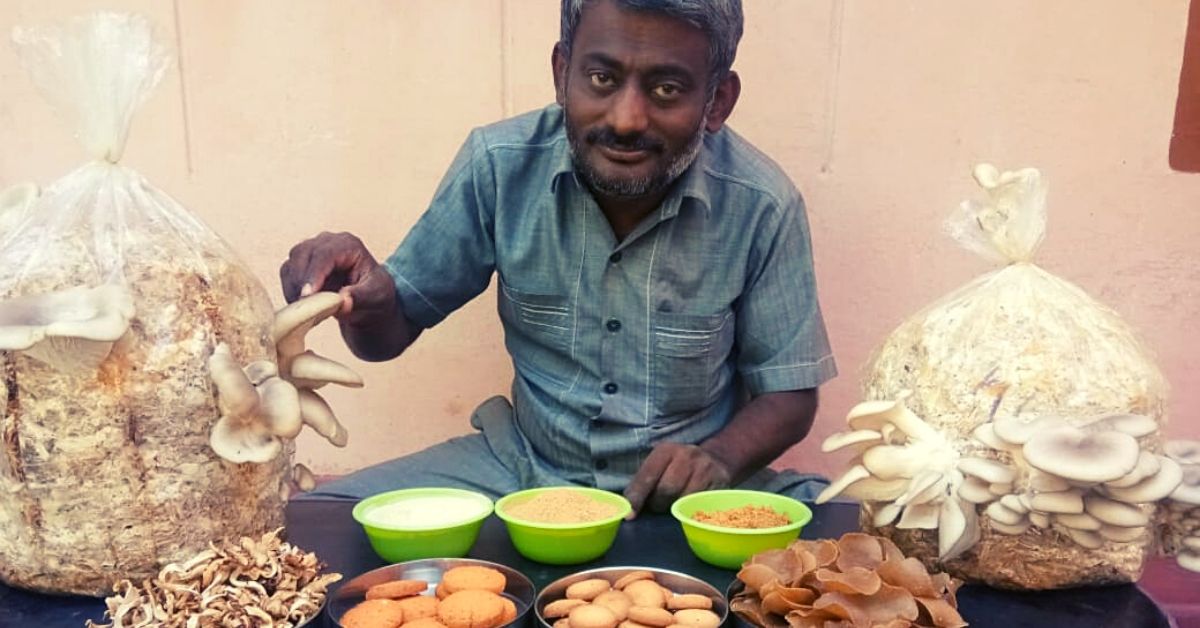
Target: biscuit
x=592, y=616
x=646, y=593
x=689, y=600
x=381, y=613
x=588, y=589
x=562, y=622
x=425, y=622
x=440, y=592
x=651, y=615
x=396, y=589
x=473, y=608
x=615, y=601
x=633, y=576
x=561, y=608
x=470, y=577
x=510, y=611
x=629, y=623
x=419, y=607
x=697, y=618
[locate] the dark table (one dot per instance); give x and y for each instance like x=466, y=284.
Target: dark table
x=651, y=540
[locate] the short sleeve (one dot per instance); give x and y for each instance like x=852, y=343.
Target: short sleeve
x=781, y=338
x=448, y=257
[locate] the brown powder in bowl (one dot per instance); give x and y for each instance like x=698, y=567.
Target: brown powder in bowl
x=744, y=517
x=561, y=506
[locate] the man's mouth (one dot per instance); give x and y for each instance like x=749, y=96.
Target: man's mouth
x=623, y=155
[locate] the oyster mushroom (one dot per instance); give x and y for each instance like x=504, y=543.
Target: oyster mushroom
x=1017, y=432
x=72, y=330
x=1115, y=513
x=1135, y=425
x=958, y=528
x=304, y=478
x=1153, y=488
x=841, y=440
x=1147, y=465
x=1073, y=454
x=252, y=418
x=1185, y=452
x=1064, y=502
x=1188, y=491
x=987, y=470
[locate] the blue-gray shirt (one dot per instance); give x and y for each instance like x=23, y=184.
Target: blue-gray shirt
x=618, y=346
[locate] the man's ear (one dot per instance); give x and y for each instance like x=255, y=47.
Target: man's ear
x=724, y=100
x=558, y=65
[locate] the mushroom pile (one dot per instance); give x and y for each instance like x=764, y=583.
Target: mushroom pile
x=1093, y=482
x=857, y=580
x=250, y=583
x=1183, y=506
x=266, y=402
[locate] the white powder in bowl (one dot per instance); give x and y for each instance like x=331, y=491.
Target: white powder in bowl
x=429, y=511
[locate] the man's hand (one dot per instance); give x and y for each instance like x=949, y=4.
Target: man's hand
x=673, y=470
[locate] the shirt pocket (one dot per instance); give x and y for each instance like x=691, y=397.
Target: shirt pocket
x=689, y=354
x=535, y=322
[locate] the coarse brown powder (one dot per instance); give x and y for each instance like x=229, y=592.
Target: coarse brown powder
x=744, y=517
x=561, y=506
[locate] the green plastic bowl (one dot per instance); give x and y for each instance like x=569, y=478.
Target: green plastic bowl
x=562, y=543
x=728, y=548
x=422, y=522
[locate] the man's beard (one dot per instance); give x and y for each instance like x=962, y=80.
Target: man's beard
x=631, y=187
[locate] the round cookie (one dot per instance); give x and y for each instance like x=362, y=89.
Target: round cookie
x=440, y=592
x=629, y=623
x=510, y=611
x=380, y=613
x=592, y=616
x=645, y=593
x=419, y=607
x=561, y=608
x=651, y=616
x=396, y=589
x=587, y=589
x=689, y=600
x=562, y=622
x=615, y=601
x=633, y=576
x=697, y=618
x=425, y=622
x=473, y=608
x=470, y=577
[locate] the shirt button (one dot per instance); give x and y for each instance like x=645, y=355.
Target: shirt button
x=610, y=388
x=613, y=325
x=601, y=464
x=615, y=257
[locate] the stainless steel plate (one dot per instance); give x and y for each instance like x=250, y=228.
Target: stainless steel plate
x=673, y=580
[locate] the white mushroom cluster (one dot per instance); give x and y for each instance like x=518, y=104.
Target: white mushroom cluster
x=1092, y=481
x=73, y=330
x=266, y=402
x=1183, y=506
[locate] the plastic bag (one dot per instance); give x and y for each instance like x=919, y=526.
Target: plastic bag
x=113, y=298
x=981, y=403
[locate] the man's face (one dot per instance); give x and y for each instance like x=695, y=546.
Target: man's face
x=634, y=92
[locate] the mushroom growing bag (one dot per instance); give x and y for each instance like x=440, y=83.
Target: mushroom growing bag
x=112, y=299
x=1011, y=432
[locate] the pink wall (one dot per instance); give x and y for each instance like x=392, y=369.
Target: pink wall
x=283, y=119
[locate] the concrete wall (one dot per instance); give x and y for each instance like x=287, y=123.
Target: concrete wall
x=281, y=119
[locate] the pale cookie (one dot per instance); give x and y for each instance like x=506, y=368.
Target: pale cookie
x=633, y=576
x=588, y=589
x=561, y=608
x=651, y=615
x=473, y=608
x=441, y=592
x=628, y=623
x=615, y=601
x=592, y=616
x=645, y=593
x=689, y=600
x=510, y=611
x=381, y=613
x=425, y=622
x=419, y=607
x=667, y=593
x=697, y=618
x=470, y=577
x=396, y=589
x=562, y=622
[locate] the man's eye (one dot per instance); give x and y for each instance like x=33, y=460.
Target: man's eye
x=666, y=91
x=601, y=79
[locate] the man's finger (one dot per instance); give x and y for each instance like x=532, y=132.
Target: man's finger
x=671, y=483
x=643, y=483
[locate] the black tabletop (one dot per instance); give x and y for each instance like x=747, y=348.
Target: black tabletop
x=327, y=528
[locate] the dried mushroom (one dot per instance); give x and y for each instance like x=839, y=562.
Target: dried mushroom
x=267, y=582
x=859, y=580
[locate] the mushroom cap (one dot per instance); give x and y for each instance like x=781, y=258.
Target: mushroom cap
x=309, y=370
x=885, y=514
x=1084, y=538
x=1039, y=519
x=317, y=414
x=295, y=319
x=1118, y=534
x=975, y=491
x=986, y=433
x=1016, y=431
x=998, y=512
x=856, y=473
x=987, y=470
x=236, y=396
x=958, y=528
x=1066, y=502
x=1115, y=513
x=1135, y=425
x=1078, y=521
x=1074, y=454
x=1014, y=503
x=889, y=462
x=303, y=477
x=1147, y=465
x=72, y=330
x=279, y=404
x=239, y=441
x=848, y=439
x=919, y=517
x=258, y=371
x=1046, y=483
x=1153, y=488
x=1010, y=530
x=1188, y=491
x=1184, y=452
x=873, y=415
x=926, y=487
x=1188, y=560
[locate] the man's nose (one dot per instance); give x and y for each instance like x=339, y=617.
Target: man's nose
x=628, y=113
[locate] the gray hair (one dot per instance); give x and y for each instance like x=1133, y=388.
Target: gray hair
x=721, y=20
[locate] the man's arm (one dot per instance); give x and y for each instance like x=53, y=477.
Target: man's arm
x=764, y=429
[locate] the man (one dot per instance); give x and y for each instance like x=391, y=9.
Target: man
x=654, y=271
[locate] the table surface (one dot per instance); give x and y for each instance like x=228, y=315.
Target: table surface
x=327, y=528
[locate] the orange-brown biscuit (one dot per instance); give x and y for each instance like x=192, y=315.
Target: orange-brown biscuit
x=473, y=608
x=629, y=623
x=561, y=608
x=425, y=622
x=396, y=589
x=697, y=618
x=562, y=622
x=646, y=593
x=633, y=576
x=592, y=616
x=615, y=601
x=470, y=577
x=419, y=607
x=440, y=591
x=510, y=611
x=651, y=615
x=381, y=613
x=689, y=600
x=587, y=589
